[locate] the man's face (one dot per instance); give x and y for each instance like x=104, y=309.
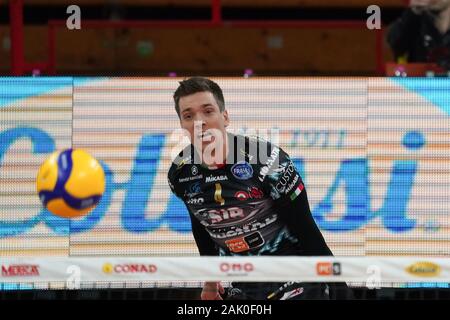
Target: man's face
x=200, y=112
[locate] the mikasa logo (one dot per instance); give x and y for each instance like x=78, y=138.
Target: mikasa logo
x=214, y=179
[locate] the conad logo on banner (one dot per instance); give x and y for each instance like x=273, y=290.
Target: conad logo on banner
x=424, y=269
x=129, y=268
x=20, y=270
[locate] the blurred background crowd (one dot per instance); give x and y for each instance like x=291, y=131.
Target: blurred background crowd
x=224, y=37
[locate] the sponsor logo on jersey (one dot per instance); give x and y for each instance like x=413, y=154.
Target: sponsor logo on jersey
x=252, y=193
x=196, y=201
x=216, y=178
x=183, y=162
x=193, y=190
x=269, y=164
x=223, y=217
x=194, y=170
x=254, y=240
x=255, y=193
x=186, y=179
x=286, y=178
x=237, y=245
x=292, y=184
x=242, y=170
x=218, y=195
x=241, y=195
x=247, y=228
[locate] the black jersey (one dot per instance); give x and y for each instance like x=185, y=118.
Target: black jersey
x=249, y=206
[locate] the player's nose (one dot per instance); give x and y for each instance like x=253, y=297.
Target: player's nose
x=199, y=120
x=199, y=125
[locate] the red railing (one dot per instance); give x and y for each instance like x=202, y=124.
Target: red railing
x=19, y=66
x=16, y=29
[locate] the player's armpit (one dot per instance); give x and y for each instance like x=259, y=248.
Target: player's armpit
x=296, y=213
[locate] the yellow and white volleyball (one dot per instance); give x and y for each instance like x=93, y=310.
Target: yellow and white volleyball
x=70, y=183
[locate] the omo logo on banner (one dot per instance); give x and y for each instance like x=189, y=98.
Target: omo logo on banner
x=353, y=173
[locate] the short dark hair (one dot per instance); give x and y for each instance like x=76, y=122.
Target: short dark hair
x=198, y=84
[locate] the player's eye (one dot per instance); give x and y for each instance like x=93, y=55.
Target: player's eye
x=187, y=117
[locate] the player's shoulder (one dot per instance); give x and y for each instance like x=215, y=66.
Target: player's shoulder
x=260, y=150
x=251, y=146
x=181, y=162
x=271, y=159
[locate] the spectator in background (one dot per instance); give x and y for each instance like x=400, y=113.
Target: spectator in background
x=422, y=33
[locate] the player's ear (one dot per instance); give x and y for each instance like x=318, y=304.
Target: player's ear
x=225, y=118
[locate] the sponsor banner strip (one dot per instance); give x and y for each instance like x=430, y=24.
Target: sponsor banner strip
x=314, y=269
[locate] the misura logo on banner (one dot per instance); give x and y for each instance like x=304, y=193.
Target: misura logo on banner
x=20, y=270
